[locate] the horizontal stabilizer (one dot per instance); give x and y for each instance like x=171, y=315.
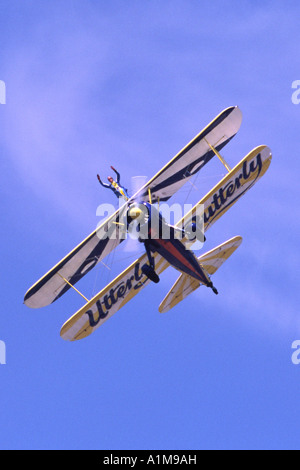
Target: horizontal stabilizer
x=210, y=262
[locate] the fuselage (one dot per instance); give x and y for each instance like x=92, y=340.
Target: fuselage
x=164, y=239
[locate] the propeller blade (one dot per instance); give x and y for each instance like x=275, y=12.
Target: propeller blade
x=132, y=244
x=137, y=182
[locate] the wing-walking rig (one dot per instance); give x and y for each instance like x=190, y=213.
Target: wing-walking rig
x=165, y=245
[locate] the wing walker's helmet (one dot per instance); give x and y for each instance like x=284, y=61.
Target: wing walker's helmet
x=110, y=179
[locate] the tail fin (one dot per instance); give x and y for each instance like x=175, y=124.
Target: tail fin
x=210, y=262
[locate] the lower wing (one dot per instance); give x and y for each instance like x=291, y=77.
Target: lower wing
x=110, y=299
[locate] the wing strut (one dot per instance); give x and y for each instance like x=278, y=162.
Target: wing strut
x=218, y=155
x=71, y=285
x=149, y=195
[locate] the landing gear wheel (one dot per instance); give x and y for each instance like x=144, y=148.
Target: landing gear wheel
x=150, y=273
x=213, y=288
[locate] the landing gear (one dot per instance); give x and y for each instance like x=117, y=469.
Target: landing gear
x=150, y=273
x=213, y=288
x=149, y=269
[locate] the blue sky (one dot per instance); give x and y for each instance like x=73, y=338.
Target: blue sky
x=93, y=84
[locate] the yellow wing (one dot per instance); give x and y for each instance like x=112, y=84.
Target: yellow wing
x=110, y=299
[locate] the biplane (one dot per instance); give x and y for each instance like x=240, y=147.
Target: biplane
x=160, y=252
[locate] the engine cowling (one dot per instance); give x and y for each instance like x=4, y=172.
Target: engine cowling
x=137, y=220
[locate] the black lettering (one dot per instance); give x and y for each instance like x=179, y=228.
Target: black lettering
x=114, y=295
x=210, y=213
x=109, y=300
x=246, y=175
x=219, y=199
x=238, y=181
x=140, y=284
x=258, y=164
x=222, y=199
x=230, y=190
x=129, y=283
x=101, y=314
x=121, y=290
x=217, y=204
x=137, y=276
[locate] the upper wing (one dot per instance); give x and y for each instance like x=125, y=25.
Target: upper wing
x=107, y=302
x=193, y=156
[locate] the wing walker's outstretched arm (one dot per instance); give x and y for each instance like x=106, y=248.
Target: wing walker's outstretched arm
x=117, y=173
x=103, y=184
